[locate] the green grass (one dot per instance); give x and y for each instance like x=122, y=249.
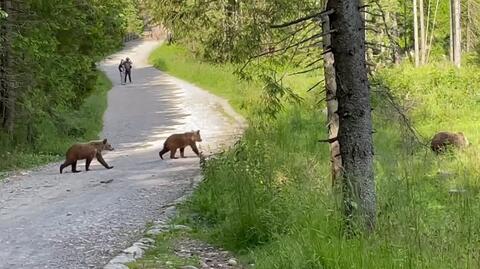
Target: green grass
x=162, y=254
x=51, y=143
x=218, y=79
x=269, y=198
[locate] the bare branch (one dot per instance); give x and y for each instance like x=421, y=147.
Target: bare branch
x=329, y=140
x=306, y=18
x=306, y=71
x=315, y=85
x=290, y=23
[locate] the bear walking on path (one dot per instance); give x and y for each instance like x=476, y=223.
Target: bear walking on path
x=180, y=141
x=87, y=152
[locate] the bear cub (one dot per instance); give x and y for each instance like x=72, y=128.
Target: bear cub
x=442, y=140
x=86, y=151
x=180, y=141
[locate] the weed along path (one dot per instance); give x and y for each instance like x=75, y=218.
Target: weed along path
x=48, y=220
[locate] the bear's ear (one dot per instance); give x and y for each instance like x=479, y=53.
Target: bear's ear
x=105, y=141
x=198, y=131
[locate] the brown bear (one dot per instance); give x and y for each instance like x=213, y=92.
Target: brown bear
x=180, y=141
x=442, y=140
x=86, y=151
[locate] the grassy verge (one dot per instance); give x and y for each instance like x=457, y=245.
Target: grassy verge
x=269, y=197
x=51, y=144
x=218, y=79
x=162, y=254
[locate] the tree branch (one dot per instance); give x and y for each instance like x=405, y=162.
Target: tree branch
x=329, y=140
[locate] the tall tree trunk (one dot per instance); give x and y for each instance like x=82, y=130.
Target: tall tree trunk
x=451, y=30
x=231, y=9
x=396, y=57
x=422, y=33
x=332, y=102
x=354, y=111
x=7, y=90
x=457, y=30
x=415, y=33
x=468, y=29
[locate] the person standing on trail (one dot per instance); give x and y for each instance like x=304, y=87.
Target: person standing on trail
x=121, y=68
x=128, y=69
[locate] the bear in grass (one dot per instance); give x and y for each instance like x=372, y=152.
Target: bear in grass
x=443, y=140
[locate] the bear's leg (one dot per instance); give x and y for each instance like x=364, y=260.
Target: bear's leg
x=65, y=164
x=87, y=164
x=182, y=152
x=195, y=149
x=172, y=153
x=102, y=161
x=74, y=167
x=163, y=151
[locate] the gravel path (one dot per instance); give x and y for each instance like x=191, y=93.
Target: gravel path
x=48, y=220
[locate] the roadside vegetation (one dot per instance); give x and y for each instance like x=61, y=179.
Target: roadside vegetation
x=270, y=199
x=162, y=254
x=82, y=124
x=51, y=93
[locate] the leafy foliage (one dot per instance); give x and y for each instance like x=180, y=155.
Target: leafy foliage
x=54, y=49
x=227, y=30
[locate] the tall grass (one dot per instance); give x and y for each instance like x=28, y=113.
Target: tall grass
x=270, y=198
x=49, y=143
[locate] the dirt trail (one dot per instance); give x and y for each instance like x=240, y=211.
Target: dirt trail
x=48, y=220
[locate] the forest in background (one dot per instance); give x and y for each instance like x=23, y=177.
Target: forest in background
x=48, y=55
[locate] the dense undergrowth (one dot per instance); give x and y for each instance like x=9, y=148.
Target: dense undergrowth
x=269, y=197
x=50, y=144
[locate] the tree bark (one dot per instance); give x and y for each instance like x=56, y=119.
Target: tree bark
x=354, y=112
x=7, y=90
x=422, y=33
x=457, y=30
x=231, y=9
x=332, y=102
x=396, y=57
x=451, y=29
x=468, y=22
x=415, y=33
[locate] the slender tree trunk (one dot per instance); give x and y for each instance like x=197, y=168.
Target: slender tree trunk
x=332, y=102
x=4, y=45
x=451, y=30
x=457, y=30
x=415, y=33
x=434, y=23
x=468, y=44
x=7, y=90
x=396, y=58
x=231, y=10
x=422, y=33
x=354, y=111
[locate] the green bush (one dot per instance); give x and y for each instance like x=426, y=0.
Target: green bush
x=51, y=142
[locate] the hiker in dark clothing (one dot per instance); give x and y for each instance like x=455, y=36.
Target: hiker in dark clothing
x=128, y=69
x=121, y=68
